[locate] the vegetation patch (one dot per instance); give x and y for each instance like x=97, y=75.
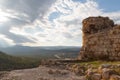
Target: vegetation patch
x=8, y=62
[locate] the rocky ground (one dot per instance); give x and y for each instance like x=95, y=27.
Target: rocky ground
x=97, y=70
x=40, y=73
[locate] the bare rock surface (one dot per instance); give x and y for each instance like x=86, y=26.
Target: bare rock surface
x=71, y=71
x=41, y=73
x=96, y=24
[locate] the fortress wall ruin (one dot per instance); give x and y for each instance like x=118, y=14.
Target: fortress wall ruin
x=101, y=39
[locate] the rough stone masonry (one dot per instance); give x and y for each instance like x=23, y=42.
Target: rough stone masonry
x=101, y=39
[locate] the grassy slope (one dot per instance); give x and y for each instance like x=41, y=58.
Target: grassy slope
x=8, y=62
x=98, y=63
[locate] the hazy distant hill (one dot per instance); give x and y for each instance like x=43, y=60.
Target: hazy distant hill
x=44, y=51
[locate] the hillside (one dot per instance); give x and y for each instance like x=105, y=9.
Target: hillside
x=8, y=62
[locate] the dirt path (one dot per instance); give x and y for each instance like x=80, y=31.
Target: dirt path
x=41, y=73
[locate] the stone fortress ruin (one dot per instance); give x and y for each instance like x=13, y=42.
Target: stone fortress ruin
x=101, y=39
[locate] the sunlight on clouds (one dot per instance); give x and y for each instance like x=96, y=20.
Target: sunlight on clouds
x=80, y=10
x=58, y=25
x=63, y=30
x=3, y=16
x=6, y=15
x=6, y=41
x=114, y=15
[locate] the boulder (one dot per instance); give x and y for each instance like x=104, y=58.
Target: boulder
x=96, y=76
x=114, y=77
x=106, y=73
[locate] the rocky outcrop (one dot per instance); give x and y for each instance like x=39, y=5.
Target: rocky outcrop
x=101, y=39
x=96, y=24
x=96, y=72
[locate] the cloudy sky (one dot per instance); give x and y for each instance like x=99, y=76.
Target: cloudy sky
x=50, y=22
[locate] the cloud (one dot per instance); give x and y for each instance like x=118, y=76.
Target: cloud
x=114, y=15
x=20, y=13
x=47, y=22
x=6, y=41
x=32, y=8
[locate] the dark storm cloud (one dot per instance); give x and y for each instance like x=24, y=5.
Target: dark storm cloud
x=16, y=38
x=33, y=9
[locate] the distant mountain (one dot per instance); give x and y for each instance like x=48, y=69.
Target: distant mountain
x=43, y=51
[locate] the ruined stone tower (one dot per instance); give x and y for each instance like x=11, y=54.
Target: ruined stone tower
x=101, y=39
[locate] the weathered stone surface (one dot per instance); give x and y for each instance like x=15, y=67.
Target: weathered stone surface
x=106, y=73
x=101, y=39
x=95, y=24
x=115, y=77
x=96, y=76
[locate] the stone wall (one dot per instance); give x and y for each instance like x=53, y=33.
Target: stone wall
x=101, y=39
